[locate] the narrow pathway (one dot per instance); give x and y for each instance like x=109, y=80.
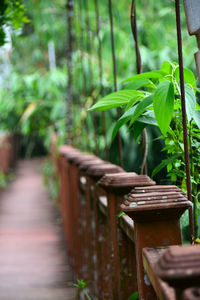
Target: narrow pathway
x=33, y=262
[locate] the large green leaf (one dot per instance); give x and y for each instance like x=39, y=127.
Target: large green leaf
x=163, y=103
x=117, y=99
x=190, y=101
x=132, y=114
x=196, y=117
x=148, y=118
x=141, y=107
x=132, y=102
x=188, y=76
x=148, y=75
x=166, y=67
x=140, y=83
x=123, y=120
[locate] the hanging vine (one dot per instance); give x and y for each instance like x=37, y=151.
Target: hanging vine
x=115, y=76
x=70, y=41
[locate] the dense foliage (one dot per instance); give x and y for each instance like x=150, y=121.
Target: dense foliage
x=35, y=103
x=12, y=13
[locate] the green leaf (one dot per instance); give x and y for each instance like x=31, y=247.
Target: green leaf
x=133, y=113
x=81, y=284
x=188, y=77
x=141, y=107
x=28, y=111
x=173, y=177
x=140, y=83
x=116, y=99
x=190, y=101
x=164, y=163
x=148, y=75
x=196, y=117
x=166, y=67
x=123, y=120
x=148, y=118
x=134, y=296
x=120, y=214
x=197, y=89
x=197, y=106
x=132, y=102
x=163, y=103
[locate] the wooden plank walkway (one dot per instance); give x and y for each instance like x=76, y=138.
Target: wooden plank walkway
x=33, y=261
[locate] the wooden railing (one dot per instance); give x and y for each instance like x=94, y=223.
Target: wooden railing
x=119, y=253
x=8, y=152
x=110, y=250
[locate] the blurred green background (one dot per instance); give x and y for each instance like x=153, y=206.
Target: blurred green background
x=34, y=102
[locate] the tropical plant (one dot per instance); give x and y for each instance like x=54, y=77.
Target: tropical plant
x=153, y=98
x=81, y=285
x=12, y=14
x=30, y=58
x=35, y=104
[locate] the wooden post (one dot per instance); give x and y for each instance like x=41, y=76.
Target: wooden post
x=127, y=257
x=73, y=159
x=85, y=219
x=156, y=216
x=180, y=268
x=116, y=186
x=64, y=194
x=98, y=247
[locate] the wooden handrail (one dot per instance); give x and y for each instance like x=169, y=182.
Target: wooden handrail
x=106, y=246
x=150, y=258
x=180, y=268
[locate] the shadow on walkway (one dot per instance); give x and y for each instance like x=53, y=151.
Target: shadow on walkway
x=33, y=261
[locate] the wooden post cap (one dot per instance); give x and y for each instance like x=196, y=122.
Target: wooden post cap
x=70, y=154
x=155, y=203
x=84, y=165
x=65, y=149
x=97, y=171
x=77, y=160
x=156, y=188
x=192, y=11
x=180, y=266
x=191, y=294
x=124, y=182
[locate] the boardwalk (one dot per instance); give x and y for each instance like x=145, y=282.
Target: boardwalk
x=33, y=262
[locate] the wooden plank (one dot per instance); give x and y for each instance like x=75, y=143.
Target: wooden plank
x=127, y=225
